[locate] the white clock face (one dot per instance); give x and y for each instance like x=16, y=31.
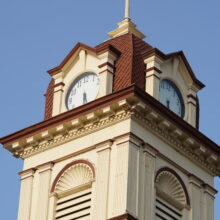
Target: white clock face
x=83, y=90
x=170, y=96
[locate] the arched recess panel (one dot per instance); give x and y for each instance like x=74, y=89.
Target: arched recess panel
x=74, y=174
x=171, y=187
x=72, y=191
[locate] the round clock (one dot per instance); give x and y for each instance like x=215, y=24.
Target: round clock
x=171, y=97
x=84, y=89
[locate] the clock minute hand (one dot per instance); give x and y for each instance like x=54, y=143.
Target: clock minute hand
x=84, y=98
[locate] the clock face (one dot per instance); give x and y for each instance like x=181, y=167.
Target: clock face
x=170, y=96
x=84, y=89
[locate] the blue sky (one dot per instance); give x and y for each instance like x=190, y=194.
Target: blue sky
x=36, y=35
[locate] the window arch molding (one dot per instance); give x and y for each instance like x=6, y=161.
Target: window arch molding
x=68, y=166
x=169, y=173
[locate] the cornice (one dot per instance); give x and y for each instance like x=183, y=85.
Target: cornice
x=77, y=131
x=130, y=103
x=44, y=126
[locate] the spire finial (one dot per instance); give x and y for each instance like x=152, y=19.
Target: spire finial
x=127, y=9
x=126, y=25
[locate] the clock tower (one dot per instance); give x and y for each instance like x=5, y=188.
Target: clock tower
x=120, y=139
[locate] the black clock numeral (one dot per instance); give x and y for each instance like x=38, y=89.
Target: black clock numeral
x=79, y=84
x=73, y=92
x=86, y=79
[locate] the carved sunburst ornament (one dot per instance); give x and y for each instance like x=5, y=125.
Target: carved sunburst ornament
x=169, y=185
x=77, y=175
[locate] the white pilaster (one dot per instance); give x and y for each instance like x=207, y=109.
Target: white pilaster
x=44, y=190
x=52, y=206
x=133, y=178
x=121, y=178
x=102, y=181
x=106, y=74
x=58, y=94
x=208, y=203
x=149, y=189
x=192, y=107
x=196, y=199
x=153, y=72
x=26, y=194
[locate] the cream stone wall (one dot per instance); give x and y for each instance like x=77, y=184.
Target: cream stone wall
x=125, y=167
x=164, y=148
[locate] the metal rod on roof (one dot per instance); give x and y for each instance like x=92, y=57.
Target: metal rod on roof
x=127, y=9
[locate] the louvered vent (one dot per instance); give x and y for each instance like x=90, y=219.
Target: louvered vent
x=165, y=211
x=75, y=206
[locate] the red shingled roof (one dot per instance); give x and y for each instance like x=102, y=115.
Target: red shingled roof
x=129, y=67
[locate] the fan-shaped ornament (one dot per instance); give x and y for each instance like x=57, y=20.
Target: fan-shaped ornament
x=76, y=175
x=169, y=185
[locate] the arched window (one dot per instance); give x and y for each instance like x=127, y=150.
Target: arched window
x=73, y=189
x=171, y=195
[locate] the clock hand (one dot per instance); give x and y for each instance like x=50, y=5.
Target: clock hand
x=168, y=104
x=84, y=98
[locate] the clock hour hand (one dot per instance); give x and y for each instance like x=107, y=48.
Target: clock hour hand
x=84, y=98
x=168, y=104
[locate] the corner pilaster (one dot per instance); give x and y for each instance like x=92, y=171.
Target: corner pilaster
x=208, y=202
x=153, y=72
x=195, y=187
x=192, y=107
x=25, y=204
x=58, y=93
x=149, y=191
x=107, y=69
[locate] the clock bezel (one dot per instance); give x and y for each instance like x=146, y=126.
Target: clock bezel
x=75, y=80
x=178, y=91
